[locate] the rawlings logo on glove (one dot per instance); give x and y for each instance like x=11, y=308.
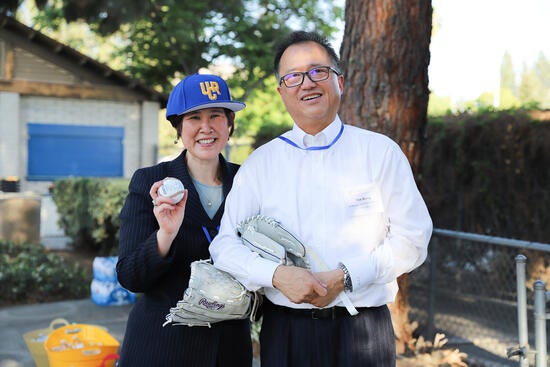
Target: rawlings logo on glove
x=212, y=296
x=211, y=305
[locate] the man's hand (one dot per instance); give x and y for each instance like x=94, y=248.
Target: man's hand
x=299, y=285
x=334, y=282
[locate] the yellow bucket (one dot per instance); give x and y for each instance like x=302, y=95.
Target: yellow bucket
x=35, y=342
x=81, y=345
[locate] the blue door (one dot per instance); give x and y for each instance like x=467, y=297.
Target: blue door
x=58, y=151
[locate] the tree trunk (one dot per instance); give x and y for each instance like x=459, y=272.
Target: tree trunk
x=385, y=56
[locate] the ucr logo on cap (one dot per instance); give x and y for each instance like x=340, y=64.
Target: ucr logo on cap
x=199, y=91
x=211, y=89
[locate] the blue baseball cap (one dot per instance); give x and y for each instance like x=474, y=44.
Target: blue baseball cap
x=198, y=91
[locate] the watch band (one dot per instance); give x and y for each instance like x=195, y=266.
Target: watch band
x=348, y=285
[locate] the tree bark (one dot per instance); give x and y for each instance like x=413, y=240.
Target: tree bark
x=385, y=56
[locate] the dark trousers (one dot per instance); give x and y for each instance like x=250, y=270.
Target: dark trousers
x=295, y=339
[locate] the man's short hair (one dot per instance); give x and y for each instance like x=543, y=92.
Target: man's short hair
x=302, y=36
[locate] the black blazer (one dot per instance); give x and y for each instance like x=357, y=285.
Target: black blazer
x=163, y=280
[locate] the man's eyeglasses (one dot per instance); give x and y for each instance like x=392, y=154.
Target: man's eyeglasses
x=316, y=74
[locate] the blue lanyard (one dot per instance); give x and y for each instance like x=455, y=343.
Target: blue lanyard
x=285, y=139
x=207, y=234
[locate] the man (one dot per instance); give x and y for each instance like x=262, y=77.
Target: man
x=349, y=195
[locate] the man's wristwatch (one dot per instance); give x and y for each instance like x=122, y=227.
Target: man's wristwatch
x=348, y=286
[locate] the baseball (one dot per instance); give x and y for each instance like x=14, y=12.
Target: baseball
x=172, y=187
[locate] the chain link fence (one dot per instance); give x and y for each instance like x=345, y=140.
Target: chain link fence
x=467, y=290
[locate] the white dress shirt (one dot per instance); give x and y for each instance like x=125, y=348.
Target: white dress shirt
x=350, y=198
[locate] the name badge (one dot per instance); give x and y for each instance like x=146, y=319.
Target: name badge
x=365, y=200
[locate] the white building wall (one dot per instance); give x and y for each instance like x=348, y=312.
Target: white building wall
x=150, y=132
x=135, y=118
x=9, y=135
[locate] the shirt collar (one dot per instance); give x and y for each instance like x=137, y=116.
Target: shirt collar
x=330, y=132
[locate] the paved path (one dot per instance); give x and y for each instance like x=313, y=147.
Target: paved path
x=16, y=321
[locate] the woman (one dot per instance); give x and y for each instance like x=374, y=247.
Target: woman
x=159, y=238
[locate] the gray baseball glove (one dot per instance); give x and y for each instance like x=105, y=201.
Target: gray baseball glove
x=212, y=296
x=272, y=241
